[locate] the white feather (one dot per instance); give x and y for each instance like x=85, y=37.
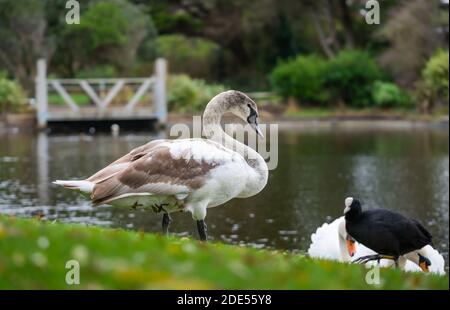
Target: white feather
x=200, y=150
x=437, y=260
x=83, y=185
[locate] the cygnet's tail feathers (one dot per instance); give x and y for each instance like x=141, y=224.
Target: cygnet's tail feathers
x=80, y=185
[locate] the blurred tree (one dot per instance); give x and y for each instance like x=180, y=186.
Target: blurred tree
x=252, y=34
x=412, y=32
x=110, y=32
x=23, y=38
x=341, y=24
x=197, y=56
x=285, y=37
x=433, y=86
x=247, y=38
x=171, y=16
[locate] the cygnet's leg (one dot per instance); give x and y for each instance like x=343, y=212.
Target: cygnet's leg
x=202, y=230
x=166, y=220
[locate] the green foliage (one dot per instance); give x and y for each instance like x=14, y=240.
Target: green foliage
x=168, y=21
x=97, y=72
x=235, y=42
x=23, y=39
x=190, y=95
x=350, y=76
x=33, y=255
x=387, y=95
x=12, y=96
x=435, y=77
x=110, y=32
x=195, y=56
x=347, y=78
x=301, y=78
x=104, y=24
x=80, y=99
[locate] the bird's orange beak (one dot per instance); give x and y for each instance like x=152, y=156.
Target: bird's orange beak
x=351, y=247
x=424, y=267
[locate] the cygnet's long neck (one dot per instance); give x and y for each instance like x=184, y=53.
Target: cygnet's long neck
x=212, y=130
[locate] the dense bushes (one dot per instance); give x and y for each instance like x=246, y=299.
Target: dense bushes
x=352, y=78
x=349, y=77
x=387, y=95
x=12, y=97
x=302, y=78
x=190, y=95
x=434, y=85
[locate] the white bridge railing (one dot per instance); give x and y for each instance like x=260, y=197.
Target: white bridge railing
x=101, y=109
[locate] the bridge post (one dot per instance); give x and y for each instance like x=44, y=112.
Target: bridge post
x=41, y=93
x=159, y=95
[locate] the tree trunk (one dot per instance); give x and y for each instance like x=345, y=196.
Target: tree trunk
x=347, y=23
x=322, y=40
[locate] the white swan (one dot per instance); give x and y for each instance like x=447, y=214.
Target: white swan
x=184, y=174
x=329, y=242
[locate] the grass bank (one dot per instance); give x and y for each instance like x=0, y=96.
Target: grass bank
x=33, y=255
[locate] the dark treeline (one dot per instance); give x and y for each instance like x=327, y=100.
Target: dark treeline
x=234, y=42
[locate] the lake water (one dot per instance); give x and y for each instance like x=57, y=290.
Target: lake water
x=401, y=169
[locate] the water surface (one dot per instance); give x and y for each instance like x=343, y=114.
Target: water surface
x=404, y=170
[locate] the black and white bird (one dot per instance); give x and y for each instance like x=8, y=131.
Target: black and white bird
x=184, y=174
x=389, y=234
x=331, y=241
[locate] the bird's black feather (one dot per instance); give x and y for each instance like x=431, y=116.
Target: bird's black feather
x=387, y=232
x=424, y=231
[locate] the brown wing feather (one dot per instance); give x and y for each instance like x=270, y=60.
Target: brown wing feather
x=149, y=168
x=121, y=163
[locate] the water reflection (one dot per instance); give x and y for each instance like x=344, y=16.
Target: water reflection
x=42, y=167
x=405, y=170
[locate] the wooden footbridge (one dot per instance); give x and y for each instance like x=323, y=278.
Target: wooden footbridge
x=105, y=99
